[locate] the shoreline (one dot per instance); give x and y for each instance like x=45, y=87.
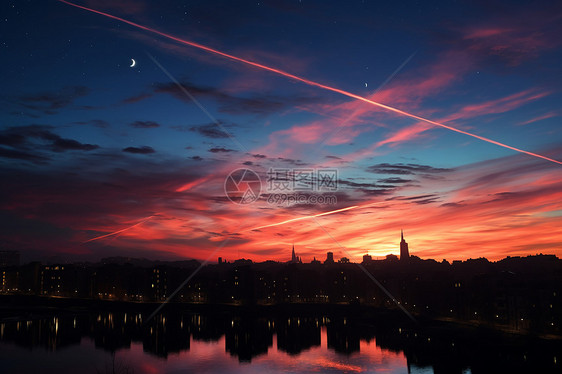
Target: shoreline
x=17, y=308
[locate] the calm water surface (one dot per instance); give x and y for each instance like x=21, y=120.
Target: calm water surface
x=202, y=357
x=108, y=342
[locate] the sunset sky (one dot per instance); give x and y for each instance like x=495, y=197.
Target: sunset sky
x=98, y=158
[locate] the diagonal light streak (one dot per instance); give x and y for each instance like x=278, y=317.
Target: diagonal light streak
x=317, y=215
x=388, y=79
x=309, y=82
x=201, y=266
x=368, y=273
x=199, y=105
x=119, y=231
x=306, y=217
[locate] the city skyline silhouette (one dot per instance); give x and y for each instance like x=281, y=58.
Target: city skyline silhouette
x=280, y=186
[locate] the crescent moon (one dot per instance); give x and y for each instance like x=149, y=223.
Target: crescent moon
x=133, y=62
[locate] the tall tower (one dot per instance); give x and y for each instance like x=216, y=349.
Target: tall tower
x=294, y=258
x=404, y=253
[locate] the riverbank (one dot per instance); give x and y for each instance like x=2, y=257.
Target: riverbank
x=31, y=307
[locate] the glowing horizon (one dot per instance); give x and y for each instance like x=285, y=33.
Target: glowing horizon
x=101, y=158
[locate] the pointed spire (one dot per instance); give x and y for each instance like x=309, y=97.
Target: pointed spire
x=293, y=256
x=404, y=253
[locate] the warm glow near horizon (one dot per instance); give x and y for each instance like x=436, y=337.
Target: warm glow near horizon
x=452, y=135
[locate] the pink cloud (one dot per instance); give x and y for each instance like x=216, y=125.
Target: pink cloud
x=492, y=209
x=515, y=37
x=539, y=118
x=501, y=105
x=467, y=112
x=352, y=116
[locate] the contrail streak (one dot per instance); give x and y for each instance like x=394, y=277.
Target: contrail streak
x=120, y=231
x=305, y=217
x=309, y=82
x=394, y=73
x=317, y=215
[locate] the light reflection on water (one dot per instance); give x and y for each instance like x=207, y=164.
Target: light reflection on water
x=71, y=344
x=126, y=342
x=202, y=357
x=211, y=357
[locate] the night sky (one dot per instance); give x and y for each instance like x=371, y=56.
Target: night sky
x=98, y=158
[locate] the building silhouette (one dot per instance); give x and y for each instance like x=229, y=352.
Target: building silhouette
x=404, y=253
x=329, y=258
x=367, y=259
x=520, y=294
x=294, y=258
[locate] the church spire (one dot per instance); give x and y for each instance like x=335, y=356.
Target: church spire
x=293, y=256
